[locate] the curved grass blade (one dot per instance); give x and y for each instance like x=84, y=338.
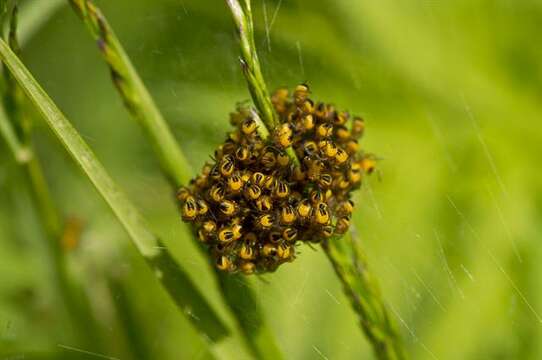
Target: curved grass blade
x=245, y=308
x=179, y=286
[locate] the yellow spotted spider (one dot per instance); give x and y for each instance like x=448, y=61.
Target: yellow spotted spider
x=253, y=204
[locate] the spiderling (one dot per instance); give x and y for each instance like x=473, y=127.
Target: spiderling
x=252, y=204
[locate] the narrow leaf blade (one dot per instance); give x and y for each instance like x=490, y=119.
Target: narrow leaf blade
x=173, y=277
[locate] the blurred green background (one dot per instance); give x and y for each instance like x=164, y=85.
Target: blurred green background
x=451, y=92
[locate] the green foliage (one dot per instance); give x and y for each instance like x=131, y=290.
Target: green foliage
x=174, y=166
x=450, y=91
x=343, y=253
x=172, y=276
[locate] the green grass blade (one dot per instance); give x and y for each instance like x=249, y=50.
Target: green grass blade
x=362, y=290
x=175, y=280
x=134, y=93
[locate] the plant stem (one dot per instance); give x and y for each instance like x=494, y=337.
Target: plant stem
x=250, y=64
x=134, y=93
x=343, y=253
x=256, y=334
x=21, y=153
x=361, y=287
x=173, y=277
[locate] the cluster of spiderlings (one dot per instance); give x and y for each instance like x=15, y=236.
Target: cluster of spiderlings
x=253, y=204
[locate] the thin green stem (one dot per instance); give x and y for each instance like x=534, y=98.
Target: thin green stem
x=362, y=289
x=175, y=280
x=134, y=93
x=262, y=129
x=250, y=64
x=257, y=335
x=21, y=153
x=343, y=253
x=25, y=157
x=47, y=209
